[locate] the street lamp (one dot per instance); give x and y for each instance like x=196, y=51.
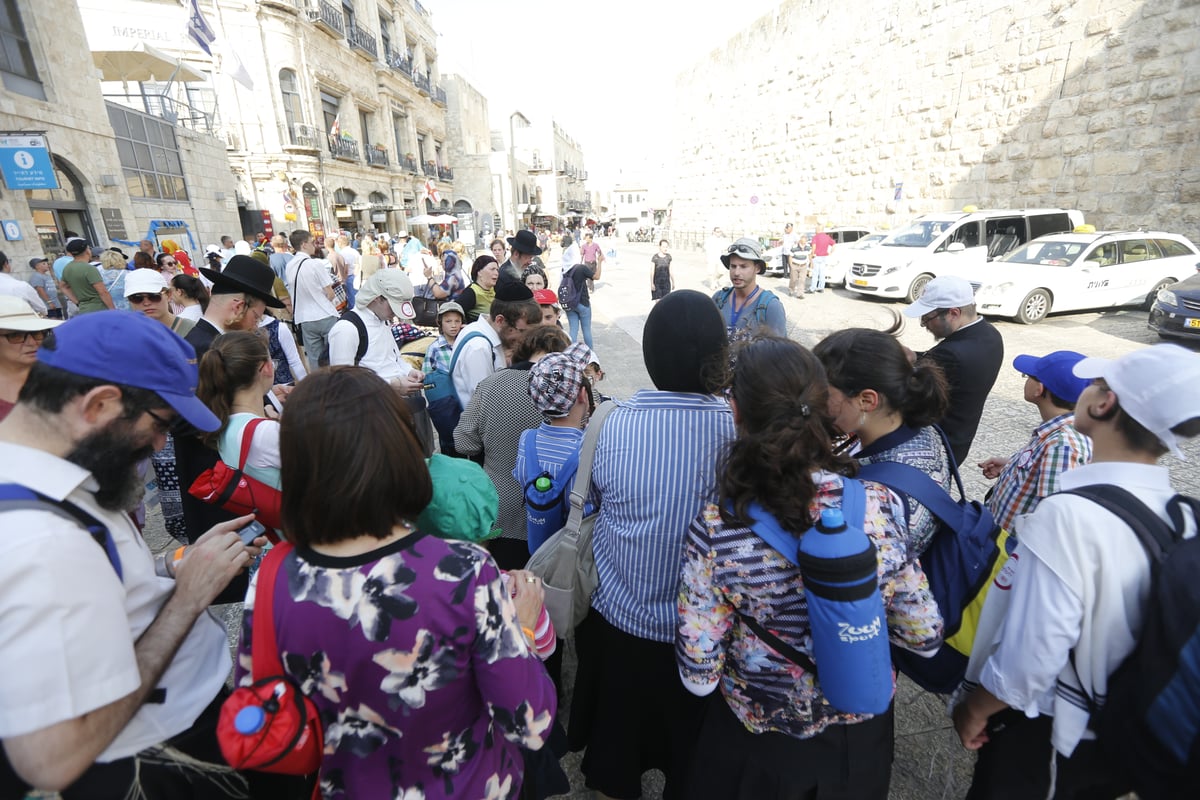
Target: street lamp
x=512, y=159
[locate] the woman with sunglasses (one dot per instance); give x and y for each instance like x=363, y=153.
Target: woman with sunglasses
x=146, y=292
x=21, y=332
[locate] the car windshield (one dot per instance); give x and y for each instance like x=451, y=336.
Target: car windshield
x=921, y=233
x=1047, y=252
x=867, y=241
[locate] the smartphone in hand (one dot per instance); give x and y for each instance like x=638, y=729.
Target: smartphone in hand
x=251, y=532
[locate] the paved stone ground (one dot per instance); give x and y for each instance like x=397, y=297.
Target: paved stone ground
x=929, y=762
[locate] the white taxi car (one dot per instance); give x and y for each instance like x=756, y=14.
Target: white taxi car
x=1076, y=271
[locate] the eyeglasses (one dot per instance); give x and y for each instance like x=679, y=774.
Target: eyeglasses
x=18, y=337
x=161, y=424
x=138, y=299
x=168, y=263
x=932, y=315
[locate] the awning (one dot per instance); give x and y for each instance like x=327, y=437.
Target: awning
x=144, y=63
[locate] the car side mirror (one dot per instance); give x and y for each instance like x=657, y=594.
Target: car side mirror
x=955, y=247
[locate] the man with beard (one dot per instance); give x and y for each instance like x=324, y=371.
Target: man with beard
x=748, y=309
x=117, y=673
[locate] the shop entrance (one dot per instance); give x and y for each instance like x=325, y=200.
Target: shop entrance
x=60, y=213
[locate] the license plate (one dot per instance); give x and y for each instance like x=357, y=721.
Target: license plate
x=1194, y=322
x=864, y=283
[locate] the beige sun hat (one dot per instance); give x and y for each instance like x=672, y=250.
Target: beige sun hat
x=17, y=315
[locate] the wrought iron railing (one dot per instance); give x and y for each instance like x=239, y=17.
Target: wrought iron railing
x=431, y=169
x=410, y=163
x=302, y=135
x=329, y=15
x=397, y=61
x=439, y=95
x=362, y=39
x=341, y=147
x=422, y=81
x=445, y=173
x=377, y=157
x=168, y=109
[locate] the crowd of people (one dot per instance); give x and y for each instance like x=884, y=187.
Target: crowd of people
x=394, y=468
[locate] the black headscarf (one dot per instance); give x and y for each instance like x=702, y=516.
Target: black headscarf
x=684, y=343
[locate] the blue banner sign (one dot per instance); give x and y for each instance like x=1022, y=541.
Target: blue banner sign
x=25, y=162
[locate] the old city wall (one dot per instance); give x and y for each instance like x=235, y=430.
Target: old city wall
x=876, y=111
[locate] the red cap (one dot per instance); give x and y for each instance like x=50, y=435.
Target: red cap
x=545, y=297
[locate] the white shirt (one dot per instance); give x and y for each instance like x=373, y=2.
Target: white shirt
x=383, y=354
x=307, y=278
x=192, y=312
x=69, y=624
x=226, y=254
x=1081, y=583
x=11, y=286
x=352, y=258
x=571, y=256
x=480, y=357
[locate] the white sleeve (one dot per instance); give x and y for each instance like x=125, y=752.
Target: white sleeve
x=1034, y=641
x=30, y=294
x=343, y=343
x=474, y=364
x=324, y=276
x=288, y=343
x=264, y=447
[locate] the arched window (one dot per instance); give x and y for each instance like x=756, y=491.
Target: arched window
x=293, y=111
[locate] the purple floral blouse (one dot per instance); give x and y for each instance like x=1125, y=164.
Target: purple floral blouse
x=414, y=656
x=730, y=569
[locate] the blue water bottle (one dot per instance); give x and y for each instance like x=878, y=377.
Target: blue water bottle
x=849, y=624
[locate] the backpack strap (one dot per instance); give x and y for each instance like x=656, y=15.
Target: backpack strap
x=247, y=439
x=458, y=350
x=14, y=496
x=722, y=296
x=264, y=647
x=581, y=487
x=760, y=308
x=915, y=483
x=354, y=319
x=1155, y=536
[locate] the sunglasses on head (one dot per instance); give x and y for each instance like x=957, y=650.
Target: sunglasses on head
x=138, y=299
x=19, y=337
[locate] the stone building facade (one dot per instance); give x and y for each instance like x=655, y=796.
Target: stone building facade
x=123, y=174
x=469, y=140
x=907, y=106
x=557, y=164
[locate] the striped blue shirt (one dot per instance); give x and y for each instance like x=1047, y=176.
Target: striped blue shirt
x=555, y=444
x=655, y=469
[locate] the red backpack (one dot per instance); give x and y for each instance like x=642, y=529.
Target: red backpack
x=233, y=490
x=270, y=725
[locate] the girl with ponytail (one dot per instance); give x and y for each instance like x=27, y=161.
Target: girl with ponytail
x=891, y=405
x=771, y=734
x=235, y=374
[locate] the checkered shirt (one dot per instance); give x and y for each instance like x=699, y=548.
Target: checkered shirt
x=1034, y=471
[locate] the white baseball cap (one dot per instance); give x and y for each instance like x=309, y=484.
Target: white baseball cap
x=1155, y=385
x=145, y=281
x=948, y=291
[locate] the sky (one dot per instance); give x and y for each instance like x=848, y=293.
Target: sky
x=605, y=72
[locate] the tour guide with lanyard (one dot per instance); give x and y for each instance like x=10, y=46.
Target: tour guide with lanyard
x=761, y=300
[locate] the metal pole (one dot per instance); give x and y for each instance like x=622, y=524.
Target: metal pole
x=512, y=166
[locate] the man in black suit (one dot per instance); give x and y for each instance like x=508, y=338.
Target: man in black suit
x=970, y=352
x=240, y=294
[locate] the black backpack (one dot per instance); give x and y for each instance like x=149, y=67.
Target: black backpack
x=361, y=327
x=1148, y=726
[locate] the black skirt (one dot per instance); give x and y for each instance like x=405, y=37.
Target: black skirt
x=630, y=711
x=843, y=762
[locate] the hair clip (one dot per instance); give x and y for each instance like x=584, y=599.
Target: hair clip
x=804, y=410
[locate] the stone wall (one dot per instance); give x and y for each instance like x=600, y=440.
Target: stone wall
x=469, y=143
x=877, y=112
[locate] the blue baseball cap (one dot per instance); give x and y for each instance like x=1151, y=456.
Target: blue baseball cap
x=1055, y=371
x=130, y=349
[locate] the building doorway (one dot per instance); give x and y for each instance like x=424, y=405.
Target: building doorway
x=61, y=213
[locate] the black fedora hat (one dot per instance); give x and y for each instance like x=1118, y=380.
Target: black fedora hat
x=525, y=242
x=244, y=274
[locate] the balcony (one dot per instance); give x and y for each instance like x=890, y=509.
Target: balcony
x=409, y=163
x=445, y=173
x=422, y=82
x=431, y=169
x=169, y=110
x=343, y=148
x=303, y=136
x=361, y=39
x=582, y=175
x=377, y=157
x=287, y=5
x=439, y=96
x=398, y=62
x=328, y=16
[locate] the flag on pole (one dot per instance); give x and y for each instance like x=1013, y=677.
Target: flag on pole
x=239, y=72
x=431, y=192
x=335, y=129
x=199, y=29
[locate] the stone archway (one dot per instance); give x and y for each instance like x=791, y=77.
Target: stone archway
x=63, y=212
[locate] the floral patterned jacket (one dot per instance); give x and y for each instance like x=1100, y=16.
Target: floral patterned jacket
x=414, y=657
x=727, y=570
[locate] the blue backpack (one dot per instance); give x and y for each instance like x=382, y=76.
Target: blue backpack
x=444, y=408
x=546, y=508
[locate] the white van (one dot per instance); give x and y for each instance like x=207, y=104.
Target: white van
x=958, y=243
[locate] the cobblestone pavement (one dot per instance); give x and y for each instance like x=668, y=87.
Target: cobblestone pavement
x=929, y=762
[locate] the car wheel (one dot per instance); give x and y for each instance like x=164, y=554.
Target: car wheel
x=1034, y=307
x=918, y=286
x=1150, y=298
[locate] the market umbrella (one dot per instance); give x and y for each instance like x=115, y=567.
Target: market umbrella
x=444, y=219
x=423, y=219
